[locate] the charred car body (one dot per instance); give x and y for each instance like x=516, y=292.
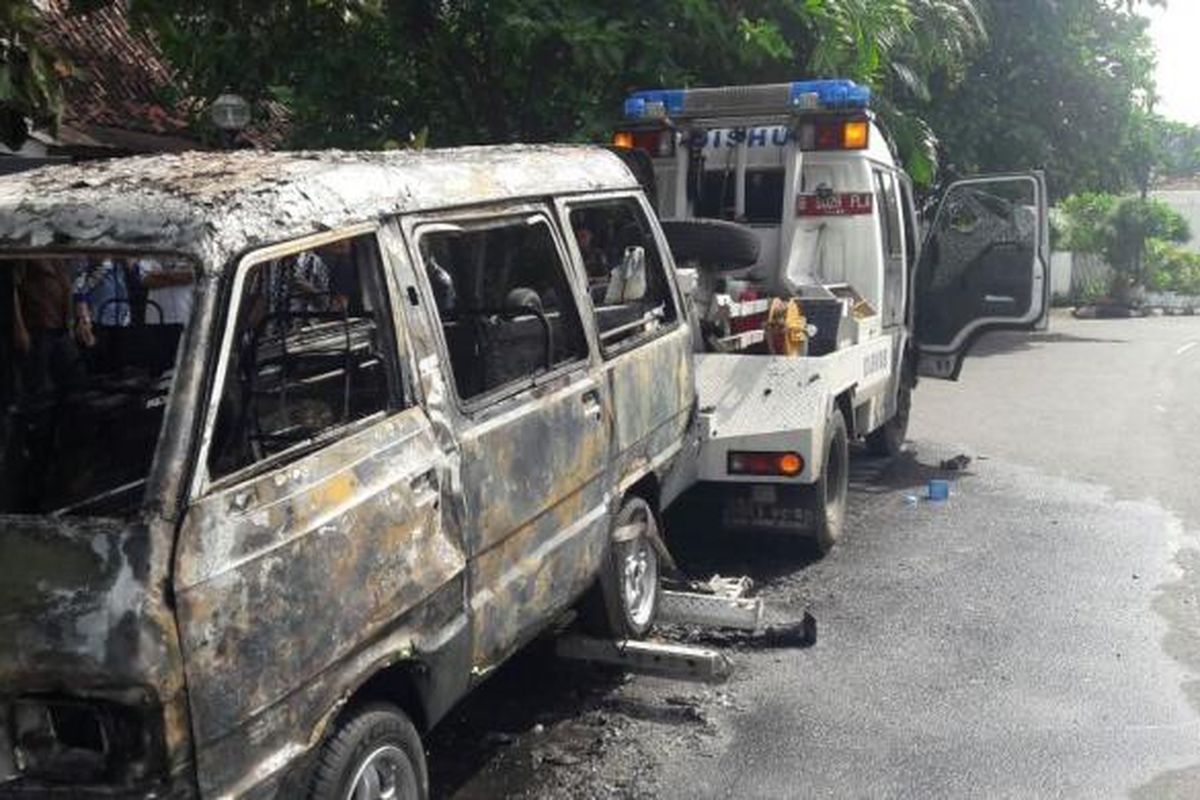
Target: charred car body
x=298, y=447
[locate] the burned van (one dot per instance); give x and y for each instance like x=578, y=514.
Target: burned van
x=297, y=448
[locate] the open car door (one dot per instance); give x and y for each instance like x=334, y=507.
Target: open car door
x=985, y=266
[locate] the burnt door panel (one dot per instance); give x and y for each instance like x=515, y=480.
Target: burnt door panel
x=984, y=267
x=313, y=548
x=534, y=482
x=284, y=576
x=637, y=314
x=528, y=415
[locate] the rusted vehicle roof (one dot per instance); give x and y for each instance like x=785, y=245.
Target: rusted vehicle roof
x=215, y=205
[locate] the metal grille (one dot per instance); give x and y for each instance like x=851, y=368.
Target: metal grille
x=737, y=100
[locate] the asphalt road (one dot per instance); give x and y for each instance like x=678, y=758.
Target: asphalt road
x=1038, y=635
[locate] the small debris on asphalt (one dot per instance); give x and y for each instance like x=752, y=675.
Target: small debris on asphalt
x=794, y=634
x=956, y=464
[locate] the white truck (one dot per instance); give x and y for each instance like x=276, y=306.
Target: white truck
x=817, y=310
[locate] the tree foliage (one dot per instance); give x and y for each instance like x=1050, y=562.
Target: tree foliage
x=30, y=93
x=975, y=85
x=1137, y=236
x=369, y=72
x=1172, y=269
x=1063, y=84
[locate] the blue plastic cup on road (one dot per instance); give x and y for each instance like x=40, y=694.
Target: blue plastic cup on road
x=939, y=489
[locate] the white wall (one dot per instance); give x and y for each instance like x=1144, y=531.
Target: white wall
x=1060, y=274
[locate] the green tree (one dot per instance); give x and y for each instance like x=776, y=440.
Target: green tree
x=30, y=94
x=1061, y=84
x=1171, y=268
x=1134, y=225
x=982, y=85
x=1137, y=236
x=1087, y=218
x=368, y=72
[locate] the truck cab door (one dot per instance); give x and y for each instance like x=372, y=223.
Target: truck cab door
x=984, y=266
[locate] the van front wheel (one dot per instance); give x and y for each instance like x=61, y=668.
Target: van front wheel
x=374, y=755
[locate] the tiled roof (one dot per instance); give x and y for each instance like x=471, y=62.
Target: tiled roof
x=121, y=81
x=120, y=78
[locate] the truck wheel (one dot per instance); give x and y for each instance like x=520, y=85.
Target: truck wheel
x=375, y=754
x=624, y=601
x=888, y=438
x=712, y=242
x=830, y=491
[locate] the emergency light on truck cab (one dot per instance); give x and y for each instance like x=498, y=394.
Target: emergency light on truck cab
x=656, y=115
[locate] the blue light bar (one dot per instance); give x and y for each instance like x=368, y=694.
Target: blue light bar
x=654, y=103
x=831, y=94
x=774, y=98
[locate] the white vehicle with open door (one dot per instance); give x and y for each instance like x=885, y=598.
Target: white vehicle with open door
x=816, y=302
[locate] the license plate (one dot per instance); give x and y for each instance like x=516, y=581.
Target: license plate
x=748, y=512
x=845, y=204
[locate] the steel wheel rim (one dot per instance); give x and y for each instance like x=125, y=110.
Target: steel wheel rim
x=386, y=774
x=639, y=579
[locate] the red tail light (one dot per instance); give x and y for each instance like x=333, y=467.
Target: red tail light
x=845, y=134
x=786, y=464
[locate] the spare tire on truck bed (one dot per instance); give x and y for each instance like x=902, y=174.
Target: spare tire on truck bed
x=712, y=242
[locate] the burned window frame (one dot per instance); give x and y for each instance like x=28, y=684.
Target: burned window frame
x=495, y=400
x=172, y=397
x=564, y=206
x=399, y=388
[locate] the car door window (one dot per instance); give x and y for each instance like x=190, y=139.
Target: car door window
x=310, y=353
x=627, y=281
x=887, y=204
x=889, y=213
x=979, y=257
x=504, y=301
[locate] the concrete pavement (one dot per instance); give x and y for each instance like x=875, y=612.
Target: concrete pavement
x=1036, y=636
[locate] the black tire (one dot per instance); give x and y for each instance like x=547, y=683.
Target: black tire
x=713, y=243
x=827, y=497
x=888, y=438
x=610, y=610
x=376, y=730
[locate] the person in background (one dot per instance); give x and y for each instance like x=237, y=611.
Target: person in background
x=111, y=292
x=46, y=327
x=102, y=292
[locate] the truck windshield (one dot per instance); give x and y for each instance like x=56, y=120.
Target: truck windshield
x=764, y=196
x=88, y=347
